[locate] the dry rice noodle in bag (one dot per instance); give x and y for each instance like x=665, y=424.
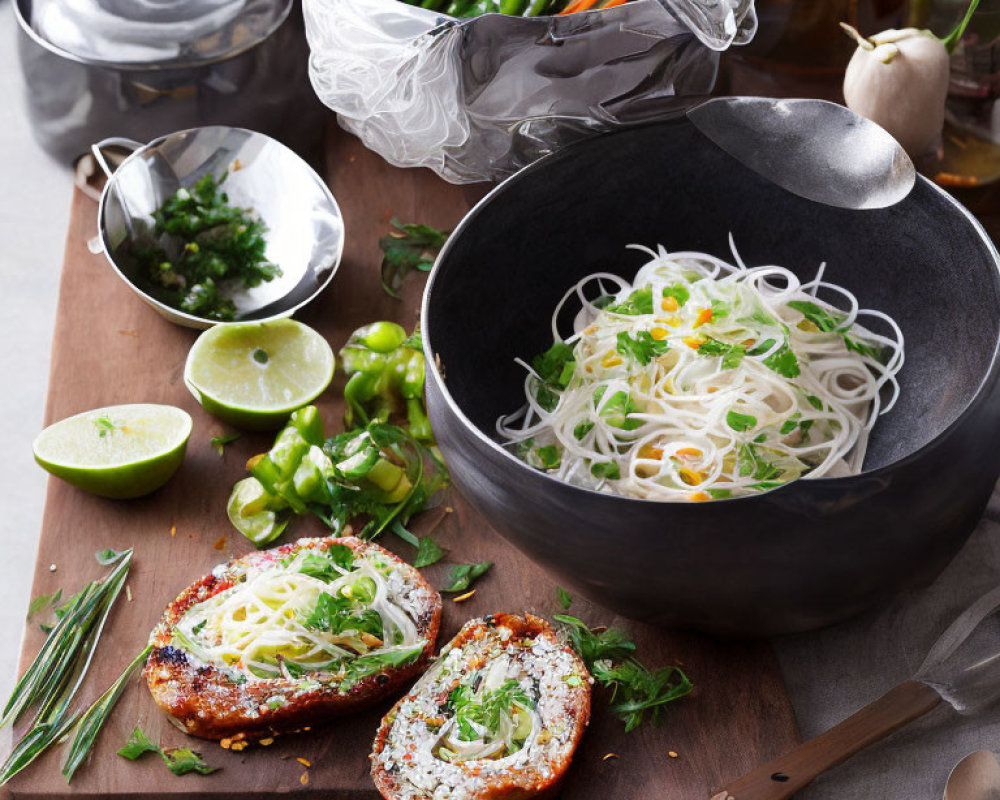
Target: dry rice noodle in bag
x=477, y=99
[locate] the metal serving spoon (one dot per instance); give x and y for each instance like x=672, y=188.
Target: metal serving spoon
x=813, y=148
x=962, y=669
x=305, y=230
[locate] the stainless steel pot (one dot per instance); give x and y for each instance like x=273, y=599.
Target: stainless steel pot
x=261, y=84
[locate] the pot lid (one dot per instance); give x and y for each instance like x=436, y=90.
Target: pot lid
x=155, y=33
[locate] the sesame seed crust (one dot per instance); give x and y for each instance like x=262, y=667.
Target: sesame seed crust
x=204, y=700
x=404, y=766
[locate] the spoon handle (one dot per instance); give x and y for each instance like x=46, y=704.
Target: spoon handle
x=784, y=776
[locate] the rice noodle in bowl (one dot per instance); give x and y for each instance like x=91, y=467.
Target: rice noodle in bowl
x=704, y=380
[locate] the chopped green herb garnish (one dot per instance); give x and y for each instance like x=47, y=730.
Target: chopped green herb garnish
x=634, y=689
x=428, y=552
x=462, y=576
x=565, y=598
x=606, y=469
x=138, y=744
x=679, y=292
x=555, y=369
x=740, y=422
x=639, y=302
x=732, y=354
x=784, y=362
x=104, y=426
x=182, y=760
x=642, y=348
x=220, y=442
x=409, y=248
x=200, y=241
x=818, y=316
x=109, y=556
x=42, y=602
x=582, y=430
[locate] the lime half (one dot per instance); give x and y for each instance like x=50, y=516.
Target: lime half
x=119, y=451
x=254, y=374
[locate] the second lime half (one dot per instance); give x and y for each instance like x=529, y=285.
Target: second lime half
x=254, y=374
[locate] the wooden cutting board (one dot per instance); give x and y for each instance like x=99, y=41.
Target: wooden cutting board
x=110, y=348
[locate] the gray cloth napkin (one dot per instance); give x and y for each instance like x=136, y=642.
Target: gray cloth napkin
x=833, y=672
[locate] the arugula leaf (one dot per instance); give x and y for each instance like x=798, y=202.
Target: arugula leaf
x=42, y=602
x=462, y=576
x=610, y=657
x=220, y=442
x=138, y=744
x=639, y=302
x=606, y=469
x=428, y=552
x=740, y=422
x=182, y=760
x=565, y=598
x=109, y=556
x=410, y=247
x=643, y=348
x=104, y=426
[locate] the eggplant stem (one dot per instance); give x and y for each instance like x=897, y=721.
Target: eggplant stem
x=863, y=43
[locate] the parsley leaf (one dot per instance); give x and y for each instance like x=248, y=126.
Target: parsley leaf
x=740, y=422
x=462, y=576
x=336, y=614
x=428, y=552
x=818, y=316
x=220, y=442
x=732, y=354
x=606, y=469
x=582, y=430
x=616, y=410
x=643, y=348
x=323, y=565
x=555, y=370
x=408, y=248
x=639, y=302
x=861, y=348
x=565, y=598
x=610, y=657
x=679, y=292
x=783, y=361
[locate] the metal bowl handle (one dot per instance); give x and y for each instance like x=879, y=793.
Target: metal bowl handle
x=114, y=141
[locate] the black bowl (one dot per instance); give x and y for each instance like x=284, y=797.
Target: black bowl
x=805, y=555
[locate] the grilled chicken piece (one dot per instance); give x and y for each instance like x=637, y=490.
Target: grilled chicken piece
x=498, y=715
x=284, y=638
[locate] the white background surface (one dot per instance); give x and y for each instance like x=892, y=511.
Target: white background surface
x=35, y=195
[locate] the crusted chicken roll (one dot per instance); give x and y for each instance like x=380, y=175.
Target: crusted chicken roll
x=497, y=716
x=282, y=638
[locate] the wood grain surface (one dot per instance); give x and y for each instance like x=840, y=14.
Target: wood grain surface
x=110, y=348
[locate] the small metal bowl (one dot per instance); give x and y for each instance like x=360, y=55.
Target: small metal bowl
x=305, y=229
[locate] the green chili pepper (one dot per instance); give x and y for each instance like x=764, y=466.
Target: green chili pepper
x=514, y=8
x=384, y=372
